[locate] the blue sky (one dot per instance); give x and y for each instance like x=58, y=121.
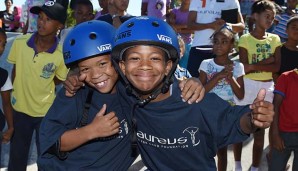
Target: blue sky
x=134, y=7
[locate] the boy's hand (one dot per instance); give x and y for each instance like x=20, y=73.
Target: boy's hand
x=7, y=135
x=104, y=125
x=192, y=90
x=73, y=83
x=262, y=111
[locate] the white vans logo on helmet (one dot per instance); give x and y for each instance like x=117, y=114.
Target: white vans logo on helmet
x=164, y=38
x=104, y=47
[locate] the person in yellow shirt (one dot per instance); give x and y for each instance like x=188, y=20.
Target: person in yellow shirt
x=38, y=67
x=259, y=51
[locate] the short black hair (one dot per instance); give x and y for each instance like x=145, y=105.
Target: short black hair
x=291, y=20
x=82, y=2
x=226, y=32
x=8, y=0
x=260, y=6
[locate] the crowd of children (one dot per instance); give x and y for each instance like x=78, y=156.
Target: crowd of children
x=99, y=123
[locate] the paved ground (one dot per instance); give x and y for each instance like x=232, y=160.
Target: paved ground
x=138, y=165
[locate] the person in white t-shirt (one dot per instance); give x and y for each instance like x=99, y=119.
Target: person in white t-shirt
x=223, y=77
x=205, y=18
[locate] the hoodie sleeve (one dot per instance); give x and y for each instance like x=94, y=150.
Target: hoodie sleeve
x=65, y=114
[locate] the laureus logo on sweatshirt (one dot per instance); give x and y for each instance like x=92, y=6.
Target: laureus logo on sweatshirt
x=188, y=138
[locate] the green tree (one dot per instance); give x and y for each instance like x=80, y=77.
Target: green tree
x=70, y=21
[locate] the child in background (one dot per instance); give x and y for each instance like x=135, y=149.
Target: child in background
x=83, y=11
x=283, y=134
x=104, y=5
x=224, y=77
x=172, y=135
x=289, y=50
x=6, y=87
x=221, y=75
x=157, y=8
x=7, y=15
x=15, y=24
x=282, y=19
x=38, y=66
x=289, y=53
x=178, y=18
x=97, y=138
x=259, y=52
x=181, y=72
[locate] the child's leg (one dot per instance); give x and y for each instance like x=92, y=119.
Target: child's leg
x=222, y=159
x=279, y=159
x=291, y=141
x=237, y=149
x=258, y=147
x=20, y=142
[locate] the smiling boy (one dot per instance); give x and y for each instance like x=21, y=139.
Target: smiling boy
x=172, y=135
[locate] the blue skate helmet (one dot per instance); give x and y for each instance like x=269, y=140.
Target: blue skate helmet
x=87, y=40
x=146, y=30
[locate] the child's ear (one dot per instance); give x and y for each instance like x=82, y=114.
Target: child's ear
x=60, y=26
x=169, y=66
x=254, y=16
x=122, y=66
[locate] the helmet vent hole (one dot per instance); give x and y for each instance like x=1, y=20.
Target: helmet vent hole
x=130, y=25
x=72, y=42
x=92, y=36
x=155, y=24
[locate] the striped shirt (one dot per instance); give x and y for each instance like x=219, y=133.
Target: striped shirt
x=280, y=28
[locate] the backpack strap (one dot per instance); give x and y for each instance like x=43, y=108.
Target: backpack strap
x=84, y=120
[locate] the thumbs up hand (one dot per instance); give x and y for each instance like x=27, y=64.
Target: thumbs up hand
x=262, y=111
x=104, y=125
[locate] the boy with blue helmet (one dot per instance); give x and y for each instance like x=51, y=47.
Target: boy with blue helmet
x=89, y=131
x=172, y=135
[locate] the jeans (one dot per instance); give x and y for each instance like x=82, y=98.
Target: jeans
x=279, y=159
